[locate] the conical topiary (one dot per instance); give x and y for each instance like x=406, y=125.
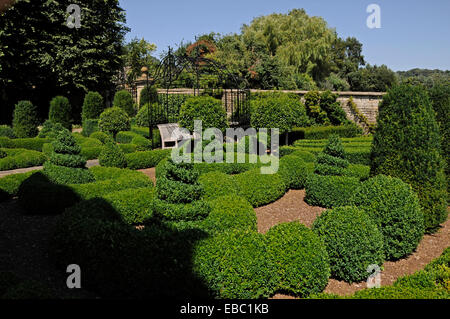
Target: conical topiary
x=66, y=165
x=332, y=160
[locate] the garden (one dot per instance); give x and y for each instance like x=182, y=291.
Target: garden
x=317, y=199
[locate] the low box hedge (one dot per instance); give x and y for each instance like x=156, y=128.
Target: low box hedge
x=330, y=191
x=21, y=158
x=216, y=184
x=33, y=144
x=323, y=132
x=149, y=159
x=9, y=185
x=195, y=210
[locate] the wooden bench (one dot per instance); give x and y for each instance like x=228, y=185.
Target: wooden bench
x=171, y=133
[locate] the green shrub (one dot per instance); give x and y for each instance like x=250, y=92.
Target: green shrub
x=148, y=95
x=25, y=120
x=156, y=112
x=282, y=112
x=234, y=264
x=305, y=156
x=293, y=171
x=352, y=240
x=93, y=106
x=217, y=184
x=126, y=137
x=260, y=189
x=60, y=111
x=357, y=170
x=128, y=148
x=142, y=160
x=6, y=131
x=333, y=108
x=124, y=101
x=407, y=145
x=114, y=120
x=230, y=212
x=324, y=132
x=101, y=136
x=133, y=205
x=33, y=144
x=395, y=209
x=301, y=259
x=112, y=156
x=3, y=154
x=206, y=109
x=194, y=210
x=21, y=158
x=9, y=185
x=141, y=143
x=50, y=130
x=330, y=191
x=66, y=165
x=90, y=126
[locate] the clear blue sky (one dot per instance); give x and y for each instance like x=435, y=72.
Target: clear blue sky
x=414, y=33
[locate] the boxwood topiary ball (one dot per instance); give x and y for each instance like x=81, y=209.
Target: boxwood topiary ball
x=353, y=242
x=395, y=208
x=301, y=257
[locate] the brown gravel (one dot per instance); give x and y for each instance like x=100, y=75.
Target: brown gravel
x=292, y=207
x=150, y=172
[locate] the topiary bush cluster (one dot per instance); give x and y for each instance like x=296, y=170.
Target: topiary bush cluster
x=407, y=145
x=395, y=209
x=20, y=158
x=332, y=160
x=50, y=129
x=352, y=240
x=60, y=111
x=207, y=109
x=294, y=171
x=93, y=106
x=66, y=165
x=25, y=120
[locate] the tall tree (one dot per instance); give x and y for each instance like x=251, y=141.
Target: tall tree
x=138, y=53
x=41, y=56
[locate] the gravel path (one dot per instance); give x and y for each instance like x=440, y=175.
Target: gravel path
x=292, y=207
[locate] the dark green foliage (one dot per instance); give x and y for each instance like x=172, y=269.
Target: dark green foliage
x=124, y=101
x=93, y=106
x=395, y=209
x=179, y=184
x=112, y=156
x=206, y=109
x=66, y=165
x=25, y=120
x=148, y=95
x=330, y=191
x=440, y=97
x=407, y=145
x=313, y=109
x=142, y=160
x=234, y=264
x=126, y=137
x=293, y=171
x=6, y=131
x=260, y=189
x=114, y=120
x=230, y=212
x=50, y=130
x=333, y=108
x=34, y=144
x=278, y=111
x=352, y=240
x=21, y=158
x=3, y=154
x=372, y=79
x=216, y=184
x=9, y=185
x=180, y=212
x=60, y=112
x=334, y=147
x=90, y=126
x=142, y=144
x=301, y=258
x=156, y=113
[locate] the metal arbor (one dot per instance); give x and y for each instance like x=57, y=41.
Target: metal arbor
x=230, y=88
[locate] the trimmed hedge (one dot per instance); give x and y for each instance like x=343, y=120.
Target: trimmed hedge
x=301, y=258
x=330, y=191
x=21, y=158
x=126, y=137
x=9, y=185
x=230, y=212
x=395, y=208
x=25, y=120
x=217, y=184
x=352, y=240
x=206, y=109
x=60, y=110
x=324, y=132
x=234, y=265
x=149, y=159
x=112, y=156
x=6, y=131
x=293, y=171
x=260, y=189
x=32, y=144
x=101, y=136
x=194, y=210
x=114, y=120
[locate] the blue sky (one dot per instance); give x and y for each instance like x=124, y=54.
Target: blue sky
x=413, y=33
